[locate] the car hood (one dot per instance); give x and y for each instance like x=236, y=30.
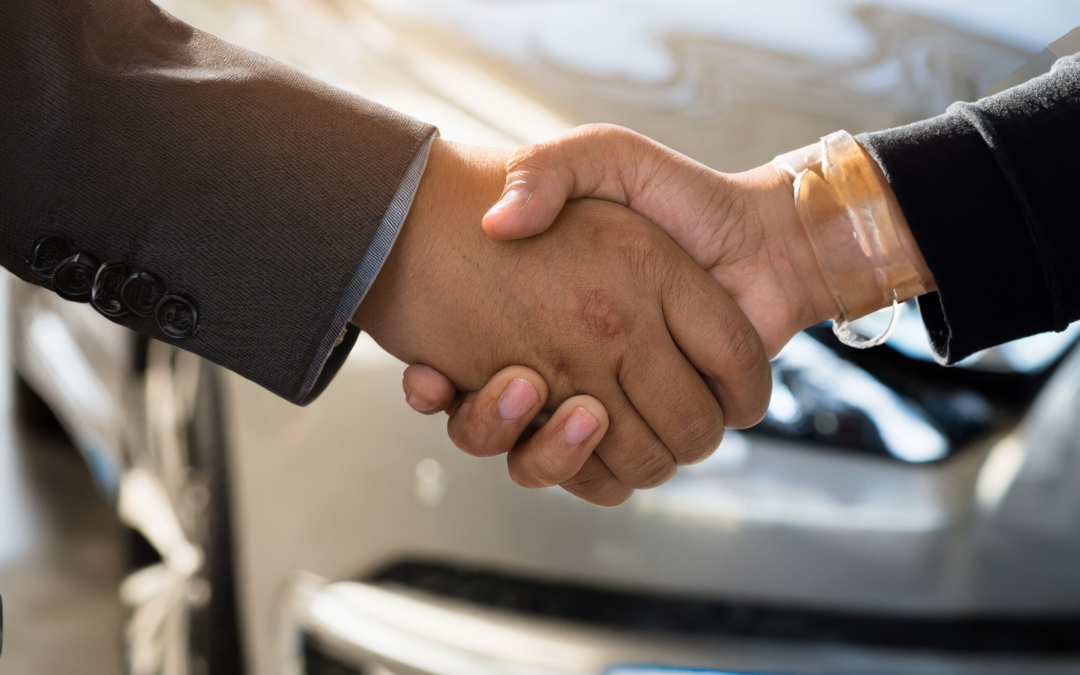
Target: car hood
x=730, y=83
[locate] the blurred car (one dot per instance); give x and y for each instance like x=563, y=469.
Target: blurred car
x=888, y=516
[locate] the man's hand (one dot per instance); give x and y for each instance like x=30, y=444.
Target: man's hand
x=602, y=303
x=742, y=228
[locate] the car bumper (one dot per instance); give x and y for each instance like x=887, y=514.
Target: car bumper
x=352, y=627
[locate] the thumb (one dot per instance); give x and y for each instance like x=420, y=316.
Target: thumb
x=685, y=198
x=533, y=196
x=585, y=162
x=528, y=206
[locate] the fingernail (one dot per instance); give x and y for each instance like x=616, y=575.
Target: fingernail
x=515, y=198
x=517, y=399
x=580, y=426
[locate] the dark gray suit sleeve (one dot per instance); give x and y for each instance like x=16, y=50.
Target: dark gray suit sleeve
x=992, y=193
x=262, y=201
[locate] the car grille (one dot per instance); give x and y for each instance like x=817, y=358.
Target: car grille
x=685, y=615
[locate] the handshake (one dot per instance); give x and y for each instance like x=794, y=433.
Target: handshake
x=608, y=317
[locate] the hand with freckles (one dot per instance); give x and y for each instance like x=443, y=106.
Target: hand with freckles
x=742, y=229
x=601, y=324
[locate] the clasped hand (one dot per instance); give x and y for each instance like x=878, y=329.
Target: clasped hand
x=588, y=317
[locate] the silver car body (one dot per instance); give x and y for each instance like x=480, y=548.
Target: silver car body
x=357, y=481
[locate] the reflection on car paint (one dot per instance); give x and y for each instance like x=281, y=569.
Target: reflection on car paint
x=825, y=398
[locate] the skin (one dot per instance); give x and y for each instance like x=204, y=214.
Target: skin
x=601, y=321
x=741, y=228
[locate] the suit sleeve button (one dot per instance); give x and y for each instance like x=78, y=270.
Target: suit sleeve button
x=106, y=293
x=47, y=254
x=73, y=278
x=141, y=292
x=177, y=316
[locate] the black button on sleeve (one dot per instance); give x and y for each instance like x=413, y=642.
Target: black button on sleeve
x=177, y=316
x=73, y=278
x=107, y=286
x=47, y=253
x=141, y=293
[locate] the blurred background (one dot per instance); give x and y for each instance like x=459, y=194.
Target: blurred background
x=160, y=515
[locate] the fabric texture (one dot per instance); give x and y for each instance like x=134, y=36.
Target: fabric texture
x=267, y=197
x=991, y=191
x=332, y=353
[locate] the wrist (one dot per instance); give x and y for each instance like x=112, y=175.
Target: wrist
x=789, y=292
x=459, y=184
x=816, y=302
x=858, y=233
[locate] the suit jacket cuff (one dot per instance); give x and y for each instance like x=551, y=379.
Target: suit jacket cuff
x=341, y=335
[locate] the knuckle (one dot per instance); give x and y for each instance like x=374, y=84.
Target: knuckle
x=698, y=438
x=760, y=405
x=642, y=242
x=523, y=163
x=747, y=358
x=747, y=353
x=521, y=475
x=599, y=490
x=474, y=430
x=470, y=433
x=534, y=157
x=647, y=467
x=650, y=258
x=639, y=252
x=606, y=131
x=604, y=316
x=538, y=473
